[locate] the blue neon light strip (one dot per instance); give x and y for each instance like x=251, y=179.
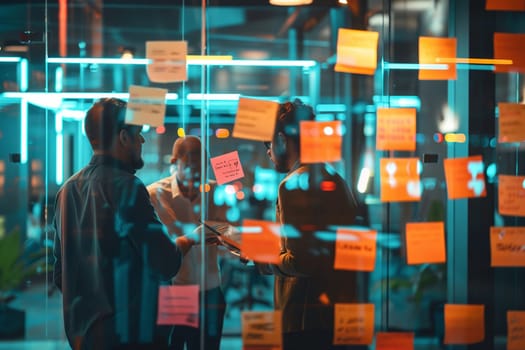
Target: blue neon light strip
x=74, y=95
x=23, y=131
x=10, y=59
x=196, y=62
x=24, y=74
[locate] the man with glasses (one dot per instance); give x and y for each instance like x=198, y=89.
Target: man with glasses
x=313, y=200
x=111, y=251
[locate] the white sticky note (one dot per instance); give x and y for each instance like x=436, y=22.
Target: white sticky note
x=168, y=61
x=146, y=106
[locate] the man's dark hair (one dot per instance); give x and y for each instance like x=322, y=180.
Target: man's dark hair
x=290, y=115
x=103, y=122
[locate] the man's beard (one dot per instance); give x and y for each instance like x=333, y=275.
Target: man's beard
x=137, y=163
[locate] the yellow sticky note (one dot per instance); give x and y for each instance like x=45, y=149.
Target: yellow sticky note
x=507, y=246
x=465, y=177
x=168, y=61
x=396, y=129
x=356, y=51
x=146, y=106
x=511, y=122
x=430, y=50
x=353, y=324
x=261, y=330
x=505, y=48
x=515, y=330
x=255, y=119
x=261, y=241
x=400, y=179
x=395, y=341
x=425, y=242
x=511, y=191
x=464, y=324
x=320, y=141
x=355, y=249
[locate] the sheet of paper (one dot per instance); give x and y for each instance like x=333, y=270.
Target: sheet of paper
x=353, y=324
x=320, y=141
x=507, y=246
x=396, y=129
x=400, y=179
x=356, y=51
x=511, y=191
x=395, y=341
x=255, y=119
x=261, y=240
x=464, y=324
x=465, y=177
x=355, y=249
x=432, y=48
x=511, y=122
x=227, y=167
x=261, y=330
x=168, y=61
x=425, y=243
x=505, y=48
x=178, y=305
x=515, y=330
x=146, y=106
x=505, y=5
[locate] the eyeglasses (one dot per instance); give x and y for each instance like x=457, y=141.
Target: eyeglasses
x=267, y=144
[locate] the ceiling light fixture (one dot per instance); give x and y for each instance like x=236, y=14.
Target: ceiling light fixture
x=290, y=2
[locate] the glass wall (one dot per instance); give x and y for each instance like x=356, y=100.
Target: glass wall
x=425, y=98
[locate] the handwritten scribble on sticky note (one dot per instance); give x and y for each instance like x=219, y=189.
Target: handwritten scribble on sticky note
x=178, y=305
x=227, y=167
x=507, y=246
x=505, y=48
x=255, y=119
x=353, y=324
x=511, y=191
x=261, y=329
x=396, y=129
x=146, y=106
x=515, y=330
x=168, y=61
x=511, y=122
x=355, y=249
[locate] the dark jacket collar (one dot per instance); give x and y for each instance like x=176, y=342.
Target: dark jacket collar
x=105, y=159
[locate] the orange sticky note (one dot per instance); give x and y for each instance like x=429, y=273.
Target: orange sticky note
x=261, y=330
x=178, y=305
x=515, y=330
x=505, y=5
x=396, y=129
x=395, y=341
x=511, y=192
x=227, y=167
x=356, y=51
x=465, y=177
x=255, y=119
x=260, y=241
x=506, y=47
x=425, y=243
x=511, y=122
x=507, y=246
x=355, y=249
x=464, y=324
x=400, y=179
x=320, y=141
x=353, y=324
x=430, y=49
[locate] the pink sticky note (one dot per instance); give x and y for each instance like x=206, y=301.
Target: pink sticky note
x=227, y=167
x=178, y=305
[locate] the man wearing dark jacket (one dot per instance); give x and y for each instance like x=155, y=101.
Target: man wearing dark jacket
x=111, y=251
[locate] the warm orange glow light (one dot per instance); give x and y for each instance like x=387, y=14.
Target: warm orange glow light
x=473, y=60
